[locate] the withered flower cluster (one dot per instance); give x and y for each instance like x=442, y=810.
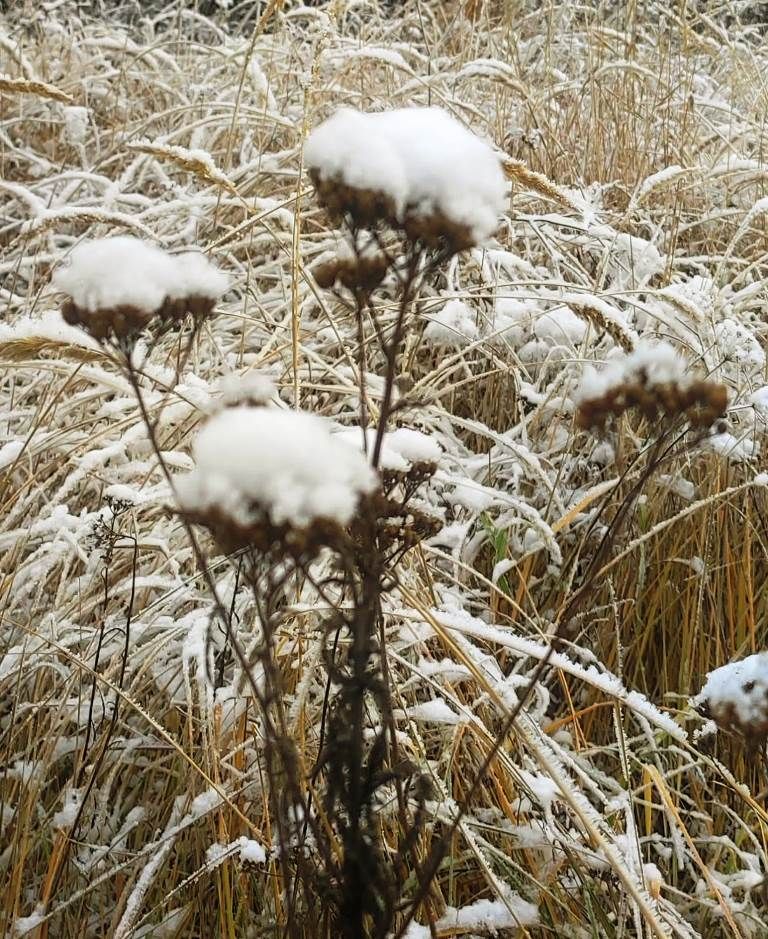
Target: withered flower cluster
x=118, y=286
x=403, y=525
x=399, y=525
x=700, y=402
x=735, y=697
x=752, y=727
x=364, y=273
x=261, y=535
x=124, y=320
x=371, y=209
x=367, y=208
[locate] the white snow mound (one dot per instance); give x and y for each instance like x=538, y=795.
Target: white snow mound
x=285, y=462
x=125, y=271
x=739, y=688
x=422, y=158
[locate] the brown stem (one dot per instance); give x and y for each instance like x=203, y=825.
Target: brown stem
x=391, y=353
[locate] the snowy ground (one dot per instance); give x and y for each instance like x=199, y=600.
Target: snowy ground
x=633, y=143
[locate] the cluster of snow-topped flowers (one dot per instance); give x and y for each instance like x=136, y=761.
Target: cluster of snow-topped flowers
x=654, y=379
x=417, y=169
x=262, y=472
x=117, y=285
x=735, y=696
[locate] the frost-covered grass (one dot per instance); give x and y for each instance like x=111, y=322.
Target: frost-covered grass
x=131, y=787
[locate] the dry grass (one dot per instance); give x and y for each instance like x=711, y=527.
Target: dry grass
x=592, y=106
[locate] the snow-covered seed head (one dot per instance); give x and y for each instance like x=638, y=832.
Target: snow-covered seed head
x=735, y=697
x=266, y=477
x=654, y=380
x=414, y=169
x=116, y=286
x=119, y=321
x=437, y=230
x=402, y=524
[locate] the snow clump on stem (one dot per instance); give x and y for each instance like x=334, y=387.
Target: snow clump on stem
x=260, y=470
x=655, y=380
x=116, y=285
x=736, y=697
x=417, y=169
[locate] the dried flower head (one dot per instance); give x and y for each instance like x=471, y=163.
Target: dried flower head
x=366, y=207
x=415, y=169
x=735, y=696
x=364, y=273
x=654, y=380
x=117, y=286
x=265, y=476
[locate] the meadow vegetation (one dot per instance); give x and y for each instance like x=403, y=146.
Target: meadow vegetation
x=464, y=701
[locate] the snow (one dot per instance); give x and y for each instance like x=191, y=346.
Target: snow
x=454, y=326
x=119, y=271
x=501, y=568
x=446, y=669
x=352, y=437
x=72, y=799
x=119, y=492
x=417, y=931
x=489, y=916
x=9, y=452
x=514, y=318
x=205, y=802
x=250, y=387
x=125, y=271
x=560, y=325
x=738, y=691
x=543, y=789
x=251, y=852
x=196, y=276
x=423, y=159
x=413, y=445
x=75, y=125
x=653, y=879
x=759, y=399
x=657, y=363
x=604, y=453
x=49, y=327
x=27, y=771
x=679, y=485
x=400, y=448
x=738, y=449
x=23, y=925
x=473, y=496
x=437, y=711
x=287, y=463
